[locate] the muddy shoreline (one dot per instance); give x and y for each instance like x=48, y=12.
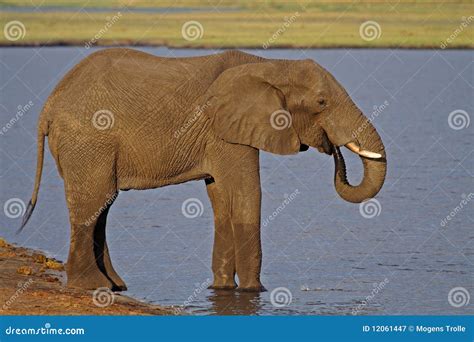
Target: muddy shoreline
x=33, y=284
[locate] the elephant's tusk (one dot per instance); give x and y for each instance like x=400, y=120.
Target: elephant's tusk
x=368, y=154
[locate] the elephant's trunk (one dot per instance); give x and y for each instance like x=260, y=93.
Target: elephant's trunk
x=374, y=168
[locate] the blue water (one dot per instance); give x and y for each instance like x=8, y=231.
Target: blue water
x=319, y=247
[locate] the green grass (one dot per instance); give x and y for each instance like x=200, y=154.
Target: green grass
x=414, y=24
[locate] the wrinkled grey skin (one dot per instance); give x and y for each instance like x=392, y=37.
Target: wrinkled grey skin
x=123, y=119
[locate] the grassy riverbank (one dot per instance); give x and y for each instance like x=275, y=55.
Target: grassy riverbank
x=241, y=23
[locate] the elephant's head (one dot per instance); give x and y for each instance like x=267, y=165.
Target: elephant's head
x=285, y=106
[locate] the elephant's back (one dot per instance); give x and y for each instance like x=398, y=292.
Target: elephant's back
x=130, y=81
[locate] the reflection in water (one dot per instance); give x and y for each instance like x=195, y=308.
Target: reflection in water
x=225, y=302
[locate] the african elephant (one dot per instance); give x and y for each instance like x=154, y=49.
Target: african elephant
x=123, y=119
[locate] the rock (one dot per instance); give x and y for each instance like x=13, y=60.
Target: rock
x=8, y=254
x=26, y=270
x=49, y=278
x=3, y=243
x=54, y=265
x=39, y=258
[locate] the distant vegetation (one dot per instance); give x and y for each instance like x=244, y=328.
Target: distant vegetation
x=257, y=24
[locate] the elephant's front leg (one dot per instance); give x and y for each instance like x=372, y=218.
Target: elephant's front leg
x=236, y=198
x=246, y=204
x=223, y=255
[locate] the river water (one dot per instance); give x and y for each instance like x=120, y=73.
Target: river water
x=330, y=257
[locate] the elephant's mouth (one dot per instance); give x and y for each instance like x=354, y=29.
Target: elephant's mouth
x=326, y=145
x=329, y=148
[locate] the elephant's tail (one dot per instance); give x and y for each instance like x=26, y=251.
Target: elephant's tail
x=39, y=170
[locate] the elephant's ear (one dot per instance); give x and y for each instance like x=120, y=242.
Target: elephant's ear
x=248, y=107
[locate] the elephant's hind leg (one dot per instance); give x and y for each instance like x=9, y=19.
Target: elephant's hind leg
x=90, y=185
x=83, y=269
x=101, y=251
x=89, y=265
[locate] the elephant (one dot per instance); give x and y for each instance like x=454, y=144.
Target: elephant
x=124, y=119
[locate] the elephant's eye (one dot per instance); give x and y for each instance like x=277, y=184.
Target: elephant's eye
x=322, y=102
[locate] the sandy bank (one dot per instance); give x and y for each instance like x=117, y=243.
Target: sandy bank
x=33, y=284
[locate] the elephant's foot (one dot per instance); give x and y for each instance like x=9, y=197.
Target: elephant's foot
x=89, y=279
x=221, y=283
x=222, y=287
x=119, y=284
x=251, y=287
